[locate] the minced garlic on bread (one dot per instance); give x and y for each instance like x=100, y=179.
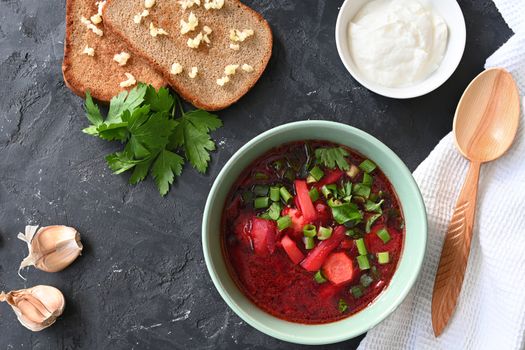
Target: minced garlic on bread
x=212, y=54
x=94, y=69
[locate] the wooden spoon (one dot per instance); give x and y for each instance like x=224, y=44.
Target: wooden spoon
x=485, y=125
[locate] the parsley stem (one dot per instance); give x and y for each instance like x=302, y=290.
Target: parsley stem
x=178, y=103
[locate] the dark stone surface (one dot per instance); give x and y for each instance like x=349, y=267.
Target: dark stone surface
x=142, y=282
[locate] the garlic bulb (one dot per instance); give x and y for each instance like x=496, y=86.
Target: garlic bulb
x=36, y=308
x=51, y=248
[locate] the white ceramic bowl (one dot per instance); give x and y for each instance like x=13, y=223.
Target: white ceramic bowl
x=449, y=10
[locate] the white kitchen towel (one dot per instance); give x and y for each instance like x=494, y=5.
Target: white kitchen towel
x=490, y=313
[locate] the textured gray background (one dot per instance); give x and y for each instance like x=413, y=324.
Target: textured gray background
x=142, y=282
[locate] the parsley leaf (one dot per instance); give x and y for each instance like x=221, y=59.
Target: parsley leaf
x=160, y=101
x=92, y=111
x=167, y=165
x=112, y=132
x=370, y=221
x=346, y=212
x=149, y=133
x=140, y=172
x=332, y=157
x=120, y=162
x=125, y=101
x=374, y=207
x=143, y=120
x=192, y=133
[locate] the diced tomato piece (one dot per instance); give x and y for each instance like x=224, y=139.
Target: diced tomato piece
x=324, y=214
x=330, y=178
x=294, y=253
x=305, y=202
x=298, y=221
x=263, y=236
x=317, y=256
x=338, y=268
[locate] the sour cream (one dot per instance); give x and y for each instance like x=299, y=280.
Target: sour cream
x=397, y=43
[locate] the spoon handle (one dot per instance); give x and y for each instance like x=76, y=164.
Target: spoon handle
x=454, y=256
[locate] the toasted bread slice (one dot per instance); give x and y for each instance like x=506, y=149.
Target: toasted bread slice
x=99, y=74
x=211, y=58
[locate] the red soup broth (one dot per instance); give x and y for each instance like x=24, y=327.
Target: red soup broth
x=304, y=189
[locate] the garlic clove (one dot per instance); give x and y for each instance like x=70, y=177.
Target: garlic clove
x=36, y=308
x=51, y=248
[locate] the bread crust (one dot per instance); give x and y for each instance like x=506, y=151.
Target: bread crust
x=185, y=93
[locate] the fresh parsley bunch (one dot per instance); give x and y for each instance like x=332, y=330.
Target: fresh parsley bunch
x=157, y=138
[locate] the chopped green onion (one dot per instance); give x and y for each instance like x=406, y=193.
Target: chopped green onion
x=384, y=235
x=374, y=207
x=314, y=194
x=310, y=179
x=247, y=197
x=361, y=247
x=342, y=305
x=309, y=242
x=284, y=222
x=362, y=261
x=319, y=278
x=324, y=233
x=383, y=258
x=309, y=230
x=356, y=291
x=265, y=216
x=275, y=194
x=368, y=180
x=261, y=202
x=361, y=190
x=366, y=280
x=353, y=171
x=261, y=176
x=274, y=211
x=285, y=195
x=367, y=166
x=317, y=173
x=326, y=192
x=334, y=202
x=370, y=221
x=260, y=190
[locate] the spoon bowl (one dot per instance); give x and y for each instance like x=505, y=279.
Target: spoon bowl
x=487, y=116
x=485, y=125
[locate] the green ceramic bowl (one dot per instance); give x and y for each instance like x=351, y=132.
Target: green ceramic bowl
x=409, y=264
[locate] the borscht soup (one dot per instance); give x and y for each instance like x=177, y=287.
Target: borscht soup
x=312, y=232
